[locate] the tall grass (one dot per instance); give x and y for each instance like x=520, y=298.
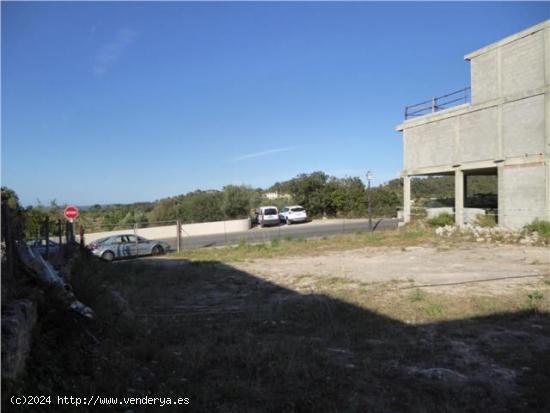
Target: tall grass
x=540, y=226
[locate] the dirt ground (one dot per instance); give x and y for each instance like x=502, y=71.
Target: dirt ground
x=478, y=267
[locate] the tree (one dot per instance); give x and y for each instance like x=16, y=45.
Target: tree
x=200, y=206
x=238, y=200
x=309, y=190
x=11, y=206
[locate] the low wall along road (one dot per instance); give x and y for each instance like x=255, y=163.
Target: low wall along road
x=170, y=231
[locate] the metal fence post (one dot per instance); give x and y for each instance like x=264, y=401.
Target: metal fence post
x=225, y=232
x=60, y=234
x=47, y=235
x=7, y=224
x=81, y=233
x=135, y=233
x=178, y=235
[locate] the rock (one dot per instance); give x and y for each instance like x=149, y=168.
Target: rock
x=439, y=373
x=408, y=249
x=119, y=304
x=18, y=320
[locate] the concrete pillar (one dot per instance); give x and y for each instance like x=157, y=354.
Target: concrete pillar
x=465, y=190
x=459, y=198
x=500, y=197
x=407, y=199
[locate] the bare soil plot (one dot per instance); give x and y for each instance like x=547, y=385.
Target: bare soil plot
x=418, y=265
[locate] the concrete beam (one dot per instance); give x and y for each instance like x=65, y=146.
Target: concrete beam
x=466, y=166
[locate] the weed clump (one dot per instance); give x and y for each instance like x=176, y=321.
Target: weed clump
x=486, y=221
x=534, y=298
x=441, y=220
x=418, y=295
x=539, y=226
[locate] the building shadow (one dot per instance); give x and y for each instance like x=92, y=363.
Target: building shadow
x=233, y=341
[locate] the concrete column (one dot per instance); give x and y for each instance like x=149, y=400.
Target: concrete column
x=500, y=197
x=465, y=190
x=407, y=199
x=547, y=116
x=459, y=198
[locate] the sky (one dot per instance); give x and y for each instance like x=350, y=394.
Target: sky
x=126, y=102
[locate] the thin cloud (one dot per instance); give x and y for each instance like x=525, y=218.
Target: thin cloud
x=262, y=153
x=110, y=52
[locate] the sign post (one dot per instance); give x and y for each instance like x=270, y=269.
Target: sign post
x=370, y=177
x=71, y=213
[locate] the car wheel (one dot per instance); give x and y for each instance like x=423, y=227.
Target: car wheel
x=108, y=256
x=288, y=221
x=157, y=250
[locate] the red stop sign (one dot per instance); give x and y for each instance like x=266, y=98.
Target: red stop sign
x=71, y=212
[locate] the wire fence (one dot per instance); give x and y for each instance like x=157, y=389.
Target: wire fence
x=179, y=235
x=209, y=234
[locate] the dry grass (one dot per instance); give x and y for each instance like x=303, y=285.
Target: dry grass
x=408, y=236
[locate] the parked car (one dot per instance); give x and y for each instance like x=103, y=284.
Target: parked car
x=267, y=215
x=292, y=214
x=127, y=245
x=39, y=245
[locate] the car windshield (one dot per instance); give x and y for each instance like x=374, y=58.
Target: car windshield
x=270, y=211
x=299, y=209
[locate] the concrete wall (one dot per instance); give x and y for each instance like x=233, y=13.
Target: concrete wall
x=169, y=231
x=512, y=66
x=435, y=212
x=510, y=130
x=523, y=127
x=523, y=195
x=478, y=135
x=429, y=144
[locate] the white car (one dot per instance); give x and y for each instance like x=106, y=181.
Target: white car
x=267, y=215
x=292, y=214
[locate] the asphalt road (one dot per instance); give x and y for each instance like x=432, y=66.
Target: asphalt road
x=304, y=230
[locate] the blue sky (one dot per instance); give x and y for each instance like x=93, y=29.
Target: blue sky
x=124, y=102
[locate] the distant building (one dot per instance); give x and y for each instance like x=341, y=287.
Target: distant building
x=276, y=195
x=503, y=130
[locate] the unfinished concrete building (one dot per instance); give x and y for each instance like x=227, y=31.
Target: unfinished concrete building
x=502, y=130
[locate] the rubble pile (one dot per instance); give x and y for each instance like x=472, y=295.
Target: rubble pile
x=494, y=234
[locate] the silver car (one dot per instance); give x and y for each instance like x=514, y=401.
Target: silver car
x=39, y=245
x=126, y=245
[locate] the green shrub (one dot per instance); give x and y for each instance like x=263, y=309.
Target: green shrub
x=418, y=295
x=435, y=310
x=540, y=226
x=534, y=298
x=441, y=220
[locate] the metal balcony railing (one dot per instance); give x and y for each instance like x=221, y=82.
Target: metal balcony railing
x=438, y=103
